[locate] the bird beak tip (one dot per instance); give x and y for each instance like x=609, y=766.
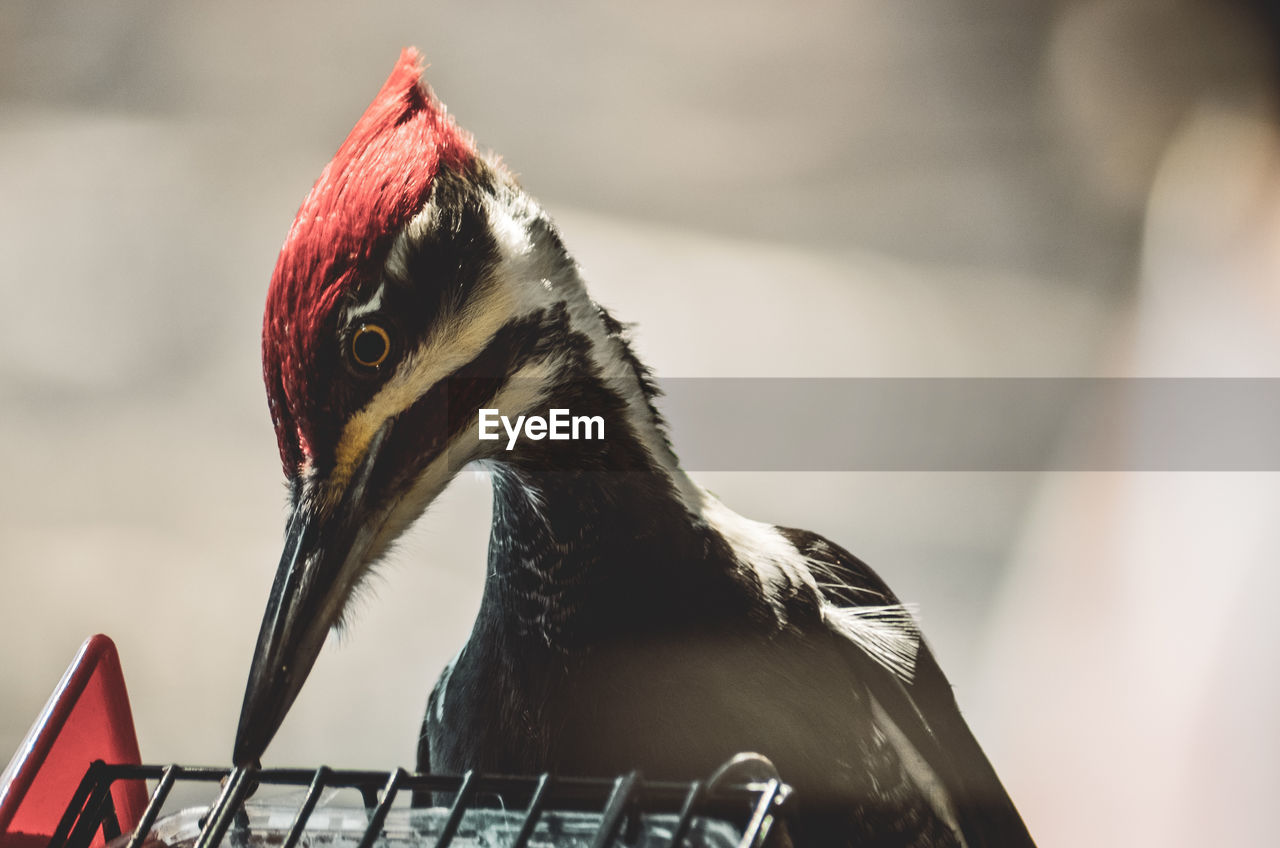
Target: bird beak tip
x=258, y=725
x=308, y=588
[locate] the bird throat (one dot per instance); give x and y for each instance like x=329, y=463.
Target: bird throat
x=589, y=538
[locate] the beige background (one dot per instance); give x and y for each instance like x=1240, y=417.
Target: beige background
x=819, y=189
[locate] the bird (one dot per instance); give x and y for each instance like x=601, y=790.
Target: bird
x=629, y=619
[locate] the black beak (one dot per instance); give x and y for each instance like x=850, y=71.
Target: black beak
x=325, y=550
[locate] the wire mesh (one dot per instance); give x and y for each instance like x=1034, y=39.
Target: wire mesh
x=542, y=810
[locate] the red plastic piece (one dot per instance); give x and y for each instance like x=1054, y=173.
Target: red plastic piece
x=87, y=718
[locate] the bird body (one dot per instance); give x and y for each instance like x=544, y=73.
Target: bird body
x=629, y=619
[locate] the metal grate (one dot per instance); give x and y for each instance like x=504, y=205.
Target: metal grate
x=749, y=799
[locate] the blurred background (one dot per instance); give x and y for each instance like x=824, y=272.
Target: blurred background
x=944, y=188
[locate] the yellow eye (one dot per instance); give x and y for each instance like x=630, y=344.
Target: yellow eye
x=370, y=346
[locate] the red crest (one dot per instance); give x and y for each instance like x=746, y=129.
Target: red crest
x=379, y=178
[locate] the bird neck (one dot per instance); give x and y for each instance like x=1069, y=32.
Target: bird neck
x=587, y=533
x=571, y=553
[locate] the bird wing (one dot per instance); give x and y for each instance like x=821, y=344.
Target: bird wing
x=433, y=716
x=917, y=706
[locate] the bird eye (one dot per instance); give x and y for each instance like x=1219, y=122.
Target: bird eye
x=370, y=346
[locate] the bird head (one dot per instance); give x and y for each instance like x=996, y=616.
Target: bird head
x=417, y=285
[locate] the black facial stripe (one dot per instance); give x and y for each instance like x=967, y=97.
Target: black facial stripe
x=445, y=265
x=428, y=426
x=582, y=390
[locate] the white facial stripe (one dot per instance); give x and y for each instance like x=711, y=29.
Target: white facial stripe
x=621, y=378
x=523, y=262
x=397, y=264
x=527, y=388
x=528, y=272
x=454, y=341
x=430, y=483
x=370, y=306
x=523, y=391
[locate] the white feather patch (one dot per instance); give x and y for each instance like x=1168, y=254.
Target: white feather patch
x=889, y=634
x=759, y=547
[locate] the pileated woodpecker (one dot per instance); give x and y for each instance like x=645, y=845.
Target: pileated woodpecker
x=629, y=619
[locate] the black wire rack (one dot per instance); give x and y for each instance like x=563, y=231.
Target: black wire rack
x=747, y=794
